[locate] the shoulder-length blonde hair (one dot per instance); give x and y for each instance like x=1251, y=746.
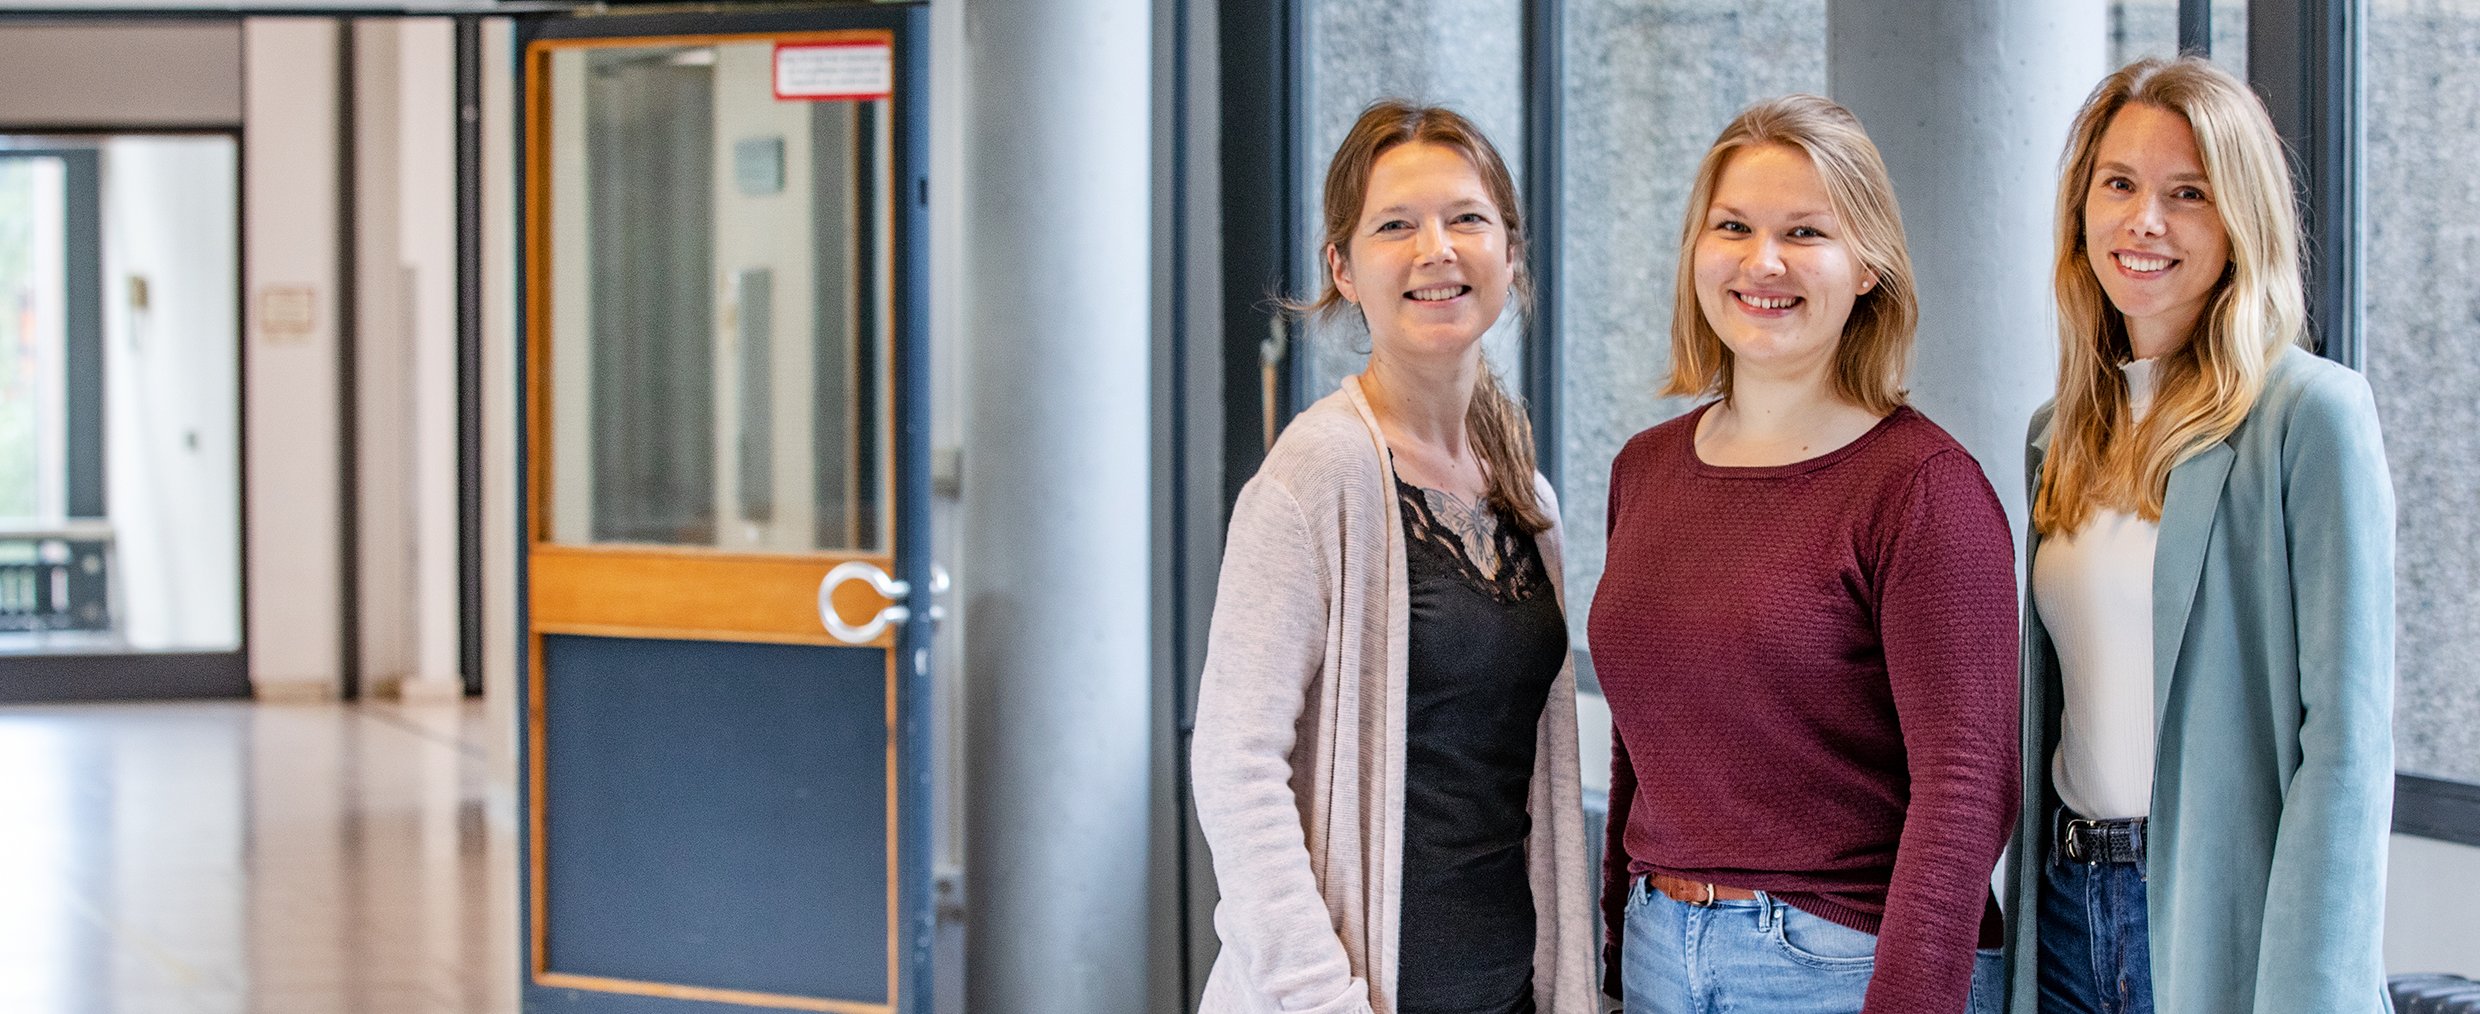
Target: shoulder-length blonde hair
x=1500, y=431
x=1874, y=355
x=2098, y=456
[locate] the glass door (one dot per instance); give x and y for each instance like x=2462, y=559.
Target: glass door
x=724, y=716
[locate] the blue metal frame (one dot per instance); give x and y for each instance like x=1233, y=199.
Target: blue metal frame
x=912, y=483
x=909, y=109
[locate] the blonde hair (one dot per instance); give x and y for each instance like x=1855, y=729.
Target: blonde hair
x=1876, y=347
x=1495, y=422
x=2099, y=456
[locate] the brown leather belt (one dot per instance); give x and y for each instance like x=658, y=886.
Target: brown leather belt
x=1695, y=892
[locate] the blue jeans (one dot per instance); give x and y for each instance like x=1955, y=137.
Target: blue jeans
x=2094, y=945
x=1758, y=956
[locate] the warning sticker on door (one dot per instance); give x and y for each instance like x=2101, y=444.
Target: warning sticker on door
x=834, y=71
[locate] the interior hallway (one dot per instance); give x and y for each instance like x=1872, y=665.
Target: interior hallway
x=227, y=856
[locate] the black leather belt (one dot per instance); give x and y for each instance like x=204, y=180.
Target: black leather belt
x=2100, y=841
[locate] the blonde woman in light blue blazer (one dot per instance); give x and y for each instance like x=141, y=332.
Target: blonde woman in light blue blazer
x=2208, y=685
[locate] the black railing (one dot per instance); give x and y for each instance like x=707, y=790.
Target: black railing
x=55, y=578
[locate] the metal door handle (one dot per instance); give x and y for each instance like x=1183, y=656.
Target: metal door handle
x=887, y=587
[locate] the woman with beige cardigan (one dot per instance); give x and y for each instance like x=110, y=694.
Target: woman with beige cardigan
x=1385, y=753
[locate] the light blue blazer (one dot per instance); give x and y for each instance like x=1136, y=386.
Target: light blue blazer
x=2273, y=694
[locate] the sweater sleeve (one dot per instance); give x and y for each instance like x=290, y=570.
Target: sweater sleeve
x=1265, y=649
x=1615, y=865
x=2324, y=915
x=1621, y=802
x=1946, y=616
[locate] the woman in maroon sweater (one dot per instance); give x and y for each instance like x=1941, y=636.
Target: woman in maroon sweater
x=1806, y=624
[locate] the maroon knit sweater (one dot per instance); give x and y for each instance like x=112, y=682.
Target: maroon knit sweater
x=1811, y=671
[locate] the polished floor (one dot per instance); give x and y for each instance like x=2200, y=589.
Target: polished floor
x=228, y=857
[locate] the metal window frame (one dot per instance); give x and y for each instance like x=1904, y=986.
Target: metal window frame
x=469, y=379
x=2304, y=59
x=2436, y=808
x=1544, y=129
x=1263, y=99
x=1187, y=481
x=2196, y=27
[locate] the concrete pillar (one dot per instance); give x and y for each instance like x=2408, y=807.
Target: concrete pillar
x=1970, y=101
x=1054, y=570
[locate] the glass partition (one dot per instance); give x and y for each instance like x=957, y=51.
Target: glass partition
x=2422, y=251
x=1464, y=54
x=715, y=373
x=2142, y=28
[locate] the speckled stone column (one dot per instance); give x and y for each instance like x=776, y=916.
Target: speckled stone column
x=1970, y=101
x=1054, y=570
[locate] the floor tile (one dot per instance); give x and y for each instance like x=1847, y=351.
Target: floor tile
x=235, y=858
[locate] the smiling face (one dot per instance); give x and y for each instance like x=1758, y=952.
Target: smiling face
x=1428, y=263
x=1775, y=277
x=2151, y=233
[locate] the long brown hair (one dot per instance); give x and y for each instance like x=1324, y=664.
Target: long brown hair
x=1495, y=422
x=1875, y=351
x=2098, y=455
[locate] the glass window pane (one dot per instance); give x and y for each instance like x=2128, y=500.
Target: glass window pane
x=2423, y=250
x=2230, y=35
x=171, y=286
x=720, y=303
x=1648, y=87
x=1464, y=54
x=120, y=479
x=2142, y=28
x=31, y=341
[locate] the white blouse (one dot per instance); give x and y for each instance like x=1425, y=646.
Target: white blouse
x=2094, y=590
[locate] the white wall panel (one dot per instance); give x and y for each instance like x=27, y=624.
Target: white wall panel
x=290, y=379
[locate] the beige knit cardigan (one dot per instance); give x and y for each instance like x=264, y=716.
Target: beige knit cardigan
x=1298, y=758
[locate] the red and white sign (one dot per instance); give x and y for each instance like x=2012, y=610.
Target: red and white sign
x=834, y=71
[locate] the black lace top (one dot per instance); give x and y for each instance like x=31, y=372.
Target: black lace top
x=1485, y=647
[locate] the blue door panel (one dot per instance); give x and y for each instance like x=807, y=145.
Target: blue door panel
x=753, y=780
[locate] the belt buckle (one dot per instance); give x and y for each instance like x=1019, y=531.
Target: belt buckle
x=1709, y=896
x=2073, y=852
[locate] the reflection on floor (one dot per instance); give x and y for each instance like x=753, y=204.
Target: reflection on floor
x=205, y=858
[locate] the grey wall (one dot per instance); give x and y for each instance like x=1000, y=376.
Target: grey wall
x=82, y=75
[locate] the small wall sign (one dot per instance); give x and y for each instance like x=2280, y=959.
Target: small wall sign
x=834, y=71
x=287, y=313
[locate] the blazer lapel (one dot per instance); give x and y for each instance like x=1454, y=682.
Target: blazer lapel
x=2188, y=510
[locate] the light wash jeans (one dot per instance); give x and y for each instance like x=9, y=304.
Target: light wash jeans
x=1758, y=956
